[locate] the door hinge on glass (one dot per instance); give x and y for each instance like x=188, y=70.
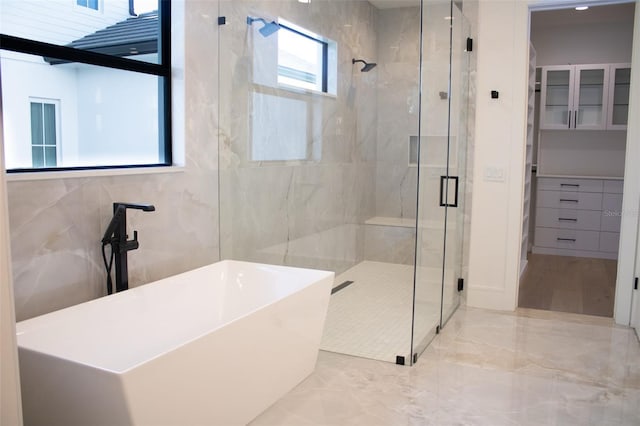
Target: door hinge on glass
x=460, y=284
x=222, y=20
x=469, y=44
x=635, y=284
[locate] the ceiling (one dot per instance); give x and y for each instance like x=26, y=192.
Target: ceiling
x=391, y=4
x=616, y=13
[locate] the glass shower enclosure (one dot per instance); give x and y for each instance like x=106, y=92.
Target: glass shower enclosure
x=343, y=141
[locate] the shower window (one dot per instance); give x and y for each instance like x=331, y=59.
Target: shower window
x=289, y=57
x=302, y=58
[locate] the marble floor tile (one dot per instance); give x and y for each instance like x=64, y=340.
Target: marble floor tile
x=526, y=367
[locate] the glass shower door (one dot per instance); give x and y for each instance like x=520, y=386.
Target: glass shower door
x=454, y=197
x=433, y=165
x=443, y=150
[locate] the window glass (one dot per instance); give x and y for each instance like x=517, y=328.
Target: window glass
x=43, y=134
x=300, y=60
x=91, y=4
x=83, y=111
x=288, y=56
x=108, y=116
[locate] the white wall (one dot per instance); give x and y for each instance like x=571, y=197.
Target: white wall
x=571, y=42
x=10, y=403
x=114, y=126
x=496, y=218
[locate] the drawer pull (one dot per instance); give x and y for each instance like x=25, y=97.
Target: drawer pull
x=570, y=240
x=567, y=219
x=565, y=200
x=575, y=185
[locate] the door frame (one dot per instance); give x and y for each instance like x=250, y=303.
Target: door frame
x=631, y=195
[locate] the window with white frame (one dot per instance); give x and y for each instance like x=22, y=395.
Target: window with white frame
x=90, y=4
x=44, y=133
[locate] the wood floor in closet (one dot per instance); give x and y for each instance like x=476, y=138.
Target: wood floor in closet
x=569, y=284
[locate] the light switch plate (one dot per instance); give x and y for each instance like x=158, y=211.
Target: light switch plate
x=494, y=174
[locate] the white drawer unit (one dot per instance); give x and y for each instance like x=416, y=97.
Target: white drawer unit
x=611, y=212
x=578, y=217
x=567, y=239
x=613, y=186
x=568, y=218
x=570, y=200
x=577, y=185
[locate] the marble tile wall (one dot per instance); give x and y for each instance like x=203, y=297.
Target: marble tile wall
x=56, y=224
x=305, y=212
x=398, y=110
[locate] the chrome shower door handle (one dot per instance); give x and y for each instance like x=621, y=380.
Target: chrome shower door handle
x=444, y=189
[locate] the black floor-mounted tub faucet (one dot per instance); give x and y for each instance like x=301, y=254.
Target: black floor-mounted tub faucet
x=116, y=236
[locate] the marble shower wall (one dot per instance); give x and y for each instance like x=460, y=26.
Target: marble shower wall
x=56, y=224
x=398, y=111
x=297, y=211
x=391, y=236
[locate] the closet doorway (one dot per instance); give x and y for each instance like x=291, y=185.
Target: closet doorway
x=580, y=74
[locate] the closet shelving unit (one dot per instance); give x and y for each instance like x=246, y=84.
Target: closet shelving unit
x=526, y=208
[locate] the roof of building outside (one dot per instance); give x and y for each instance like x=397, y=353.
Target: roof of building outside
x=137, y=35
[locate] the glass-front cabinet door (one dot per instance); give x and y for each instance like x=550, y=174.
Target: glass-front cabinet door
x=557, y=97
x=575, y=97
x=620, y=79
x=591, y=97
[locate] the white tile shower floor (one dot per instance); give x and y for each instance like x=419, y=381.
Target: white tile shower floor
x=371, y=318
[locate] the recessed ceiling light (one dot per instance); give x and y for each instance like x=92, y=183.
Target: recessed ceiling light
x=304, y=1
x=582, y=7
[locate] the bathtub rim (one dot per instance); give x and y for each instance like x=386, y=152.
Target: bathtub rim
x=319, y=277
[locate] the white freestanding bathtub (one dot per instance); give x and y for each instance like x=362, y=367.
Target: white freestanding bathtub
x=212, y=346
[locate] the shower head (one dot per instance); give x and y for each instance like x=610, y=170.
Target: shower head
x=268, y=28
x=367, y=66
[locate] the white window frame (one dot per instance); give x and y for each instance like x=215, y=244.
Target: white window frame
x=86, y=5
x=56, y=105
